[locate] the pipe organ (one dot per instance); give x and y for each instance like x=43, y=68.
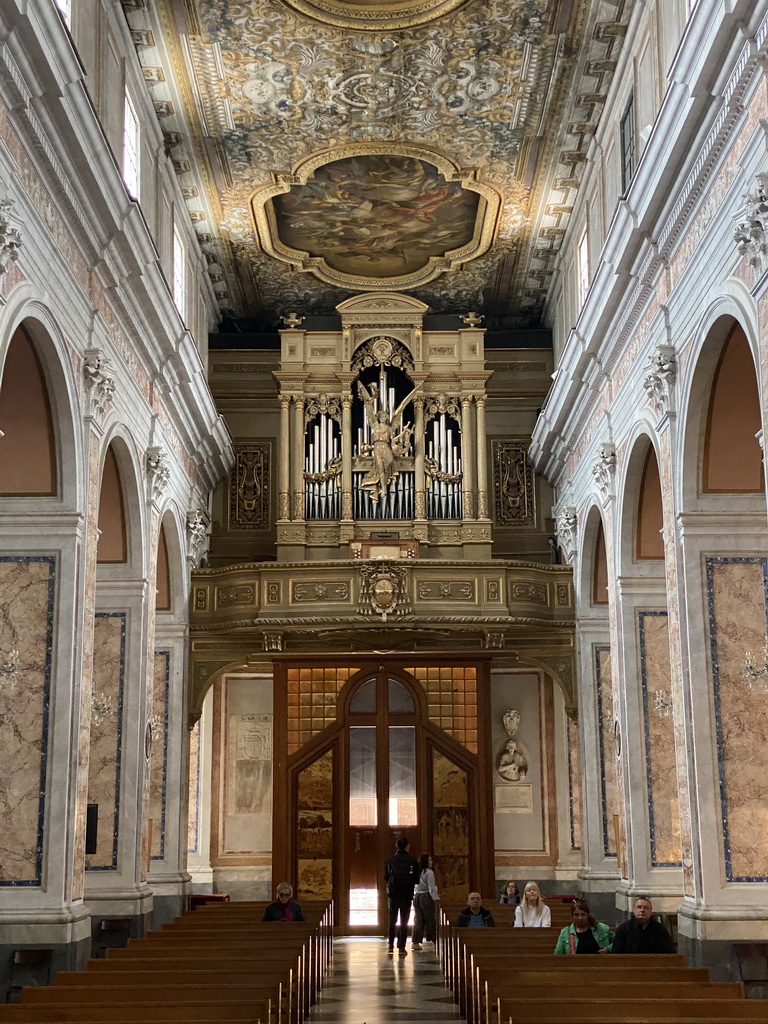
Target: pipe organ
x=381, y=433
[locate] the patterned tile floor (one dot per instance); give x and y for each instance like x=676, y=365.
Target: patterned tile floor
x=366, y=986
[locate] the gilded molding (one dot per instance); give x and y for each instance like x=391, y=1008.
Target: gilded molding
x=374, y=18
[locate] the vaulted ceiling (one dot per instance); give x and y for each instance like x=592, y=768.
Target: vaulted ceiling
x=327, y=147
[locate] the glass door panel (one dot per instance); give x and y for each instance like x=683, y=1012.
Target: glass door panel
x=363, y=850
x=402, y=776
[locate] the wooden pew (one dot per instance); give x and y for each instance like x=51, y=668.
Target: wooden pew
x=131, y=1013
x=198, y=972
x=544, y=1009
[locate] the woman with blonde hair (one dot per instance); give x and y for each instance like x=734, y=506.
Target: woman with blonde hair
x=532, y=911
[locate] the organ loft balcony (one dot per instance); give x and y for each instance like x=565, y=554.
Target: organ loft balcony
x=381, y=499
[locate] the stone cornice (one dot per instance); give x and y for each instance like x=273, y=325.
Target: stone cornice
x=647, y=224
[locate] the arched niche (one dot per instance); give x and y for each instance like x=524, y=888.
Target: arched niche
x=641, y=512
x=39, y=450
x=120, y=520
x=170, y=582
x=594, y=562
x=732, y=458
x=718, y=418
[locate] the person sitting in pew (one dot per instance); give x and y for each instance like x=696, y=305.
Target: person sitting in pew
x=642, y=933
x=475, y=915
x=533, y=911
x=509, y=894
x=585, y=934
x=283, y=909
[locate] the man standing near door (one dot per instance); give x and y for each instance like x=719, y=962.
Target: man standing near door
x=401, y=873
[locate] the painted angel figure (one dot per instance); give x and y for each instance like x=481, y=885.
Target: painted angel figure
x=389, y=440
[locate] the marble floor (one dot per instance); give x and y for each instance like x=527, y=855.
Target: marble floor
x=366, y=986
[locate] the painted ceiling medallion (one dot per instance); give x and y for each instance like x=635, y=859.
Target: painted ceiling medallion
x=371, y=15
x=395, y=217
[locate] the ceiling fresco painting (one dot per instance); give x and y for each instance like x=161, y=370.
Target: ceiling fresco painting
x=510, y=90
x=377, y=216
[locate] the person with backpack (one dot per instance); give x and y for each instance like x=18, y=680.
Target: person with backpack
x=401, y=873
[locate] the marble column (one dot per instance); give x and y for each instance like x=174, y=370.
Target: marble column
x=723, y=598
x=482, y=460
x=468, y=458
x=42, y=685
x=116, y=873
x=199, y=819
x=168, y=798
x=284, y=466
x=298, y=457
x=645, y=873
x=600, y=871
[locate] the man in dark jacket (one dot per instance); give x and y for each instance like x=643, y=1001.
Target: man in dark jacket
x=641, y=933
x=283, y=909
x=474, y=915
x=401, y=873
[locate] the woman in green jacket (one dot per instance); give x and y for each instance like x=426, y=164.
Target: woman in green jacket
x=584, y=934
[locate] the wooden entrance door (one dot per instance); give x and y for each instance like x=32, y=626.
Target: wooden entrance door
x=384, y=769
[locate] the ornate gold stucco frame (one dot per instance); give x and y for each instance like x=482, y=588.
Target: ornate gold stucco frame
x=265, y=223
x=387, y=15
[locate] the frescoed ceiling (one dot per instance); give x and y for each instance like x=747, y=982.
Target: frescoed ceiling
x=432, y=146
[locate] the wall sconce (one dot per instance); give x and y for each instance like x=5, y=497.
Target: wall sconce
x=756, y=673
x=662, y=703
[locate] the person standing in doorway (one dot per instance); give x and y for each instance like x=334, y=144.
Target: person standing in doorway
x=401, y=873
x=424, y=897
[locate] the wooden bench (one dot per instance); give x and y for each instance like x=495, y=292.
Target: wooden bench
x=131, y=1013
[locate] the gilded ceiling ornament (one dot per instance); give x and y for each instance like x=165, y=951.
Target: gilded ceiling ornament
x=371, y=16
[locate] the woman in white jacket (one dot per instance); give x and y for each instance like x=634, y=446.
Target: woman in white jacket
x=533, y=911
x=424, y=897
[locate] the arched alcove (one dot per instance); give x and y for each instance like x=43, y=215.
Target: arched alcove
x=163, y=574
x=113, y=528
x=599, y=594
x=121, y=520
x=649, y=540
x=28, y=465
x=732, y=460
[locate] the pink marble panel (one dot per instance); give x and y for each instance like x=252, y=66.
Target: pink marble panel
x=574, y=782
x=737, y=602
x=106, y=735
x=193, y=825
x=608, y=773
x=661, y=763
x=26, y=610
x=158, y=759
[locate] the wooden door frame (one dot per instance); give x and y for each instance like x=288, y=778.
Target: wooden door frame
x=284, y=851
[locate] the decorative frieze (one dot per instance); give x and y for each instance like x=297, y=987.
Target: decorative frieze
x=513, y=484
x=604, y=468
x=750, y=232
x=158, y=469
x=659, y=379
x=313, y=590
x=446, y=590
x=100, y=385
x=249, y=486
x=197, y=535
x=10, y=234
x=565, y=529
